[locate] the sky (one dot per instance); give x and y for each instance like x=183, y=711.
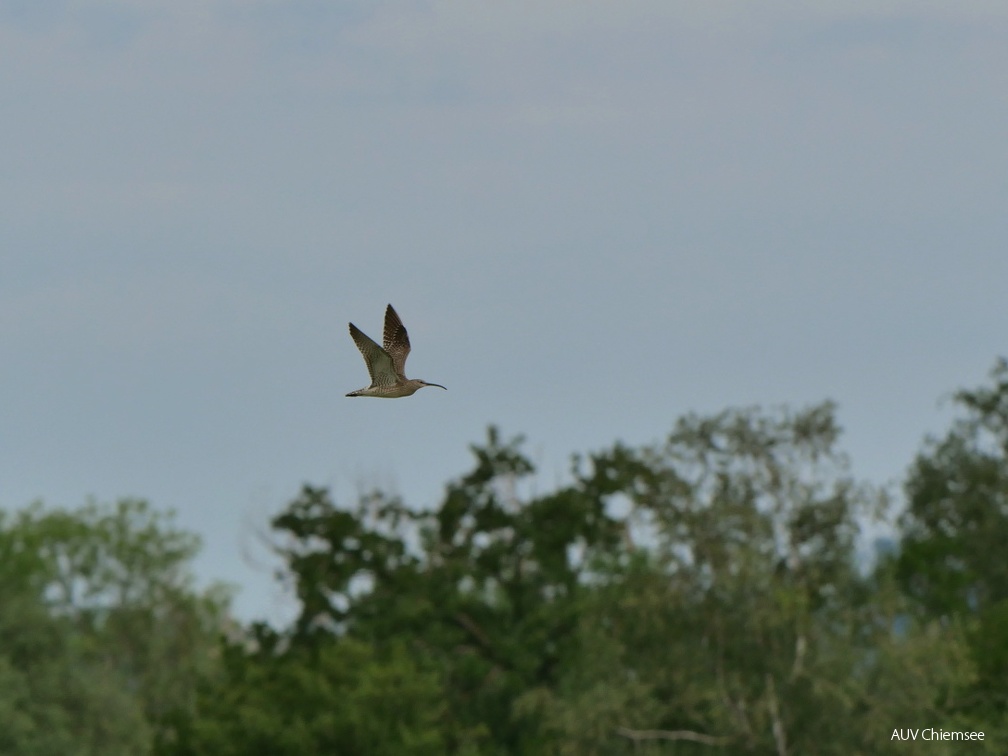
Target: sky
x=592, y=217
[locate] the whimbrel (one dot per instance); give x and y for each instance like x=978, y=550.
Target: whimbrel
x=386, y=365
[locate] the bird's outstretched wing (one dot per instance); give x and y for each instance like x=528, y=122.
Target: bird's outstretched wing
x=396, y=340
x=378, y=361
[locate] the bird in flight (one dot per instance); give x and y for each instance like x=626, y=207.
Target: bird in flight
x=386, y=364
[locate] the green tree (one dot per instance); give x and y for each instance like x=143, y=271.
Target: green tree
x=466, y=607
x=484, y=587
x=952, y=551
x=701, y=593
x=331, y=698
x=102, y=636
x=952, y=555
x=54, y=697
x=741, y=619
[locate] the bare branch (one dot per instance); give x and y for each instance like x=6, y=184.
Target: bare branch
x=800, y=646
x=778, y=725
x=737, y=709
x=696, y=737
x=474, y=630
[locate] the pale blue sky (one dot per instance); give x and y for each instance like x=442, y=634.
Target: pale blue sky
x=593, y=218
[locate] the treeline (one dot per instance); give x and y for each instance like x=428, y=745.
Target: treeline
x=702, y=595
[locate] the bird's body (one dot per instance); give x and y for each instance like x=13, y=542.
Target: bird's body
x=386, y=365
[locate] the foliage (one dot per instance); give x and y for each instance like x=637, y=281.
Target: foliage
x=956, y=524
x=952, y=558
x=701, y=594
x=745, y=623
x=335, y=698
x=102, y=636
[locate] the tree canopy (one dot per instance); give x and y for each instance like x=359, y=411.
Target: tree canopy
x=103, y=637
x=708, y=593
